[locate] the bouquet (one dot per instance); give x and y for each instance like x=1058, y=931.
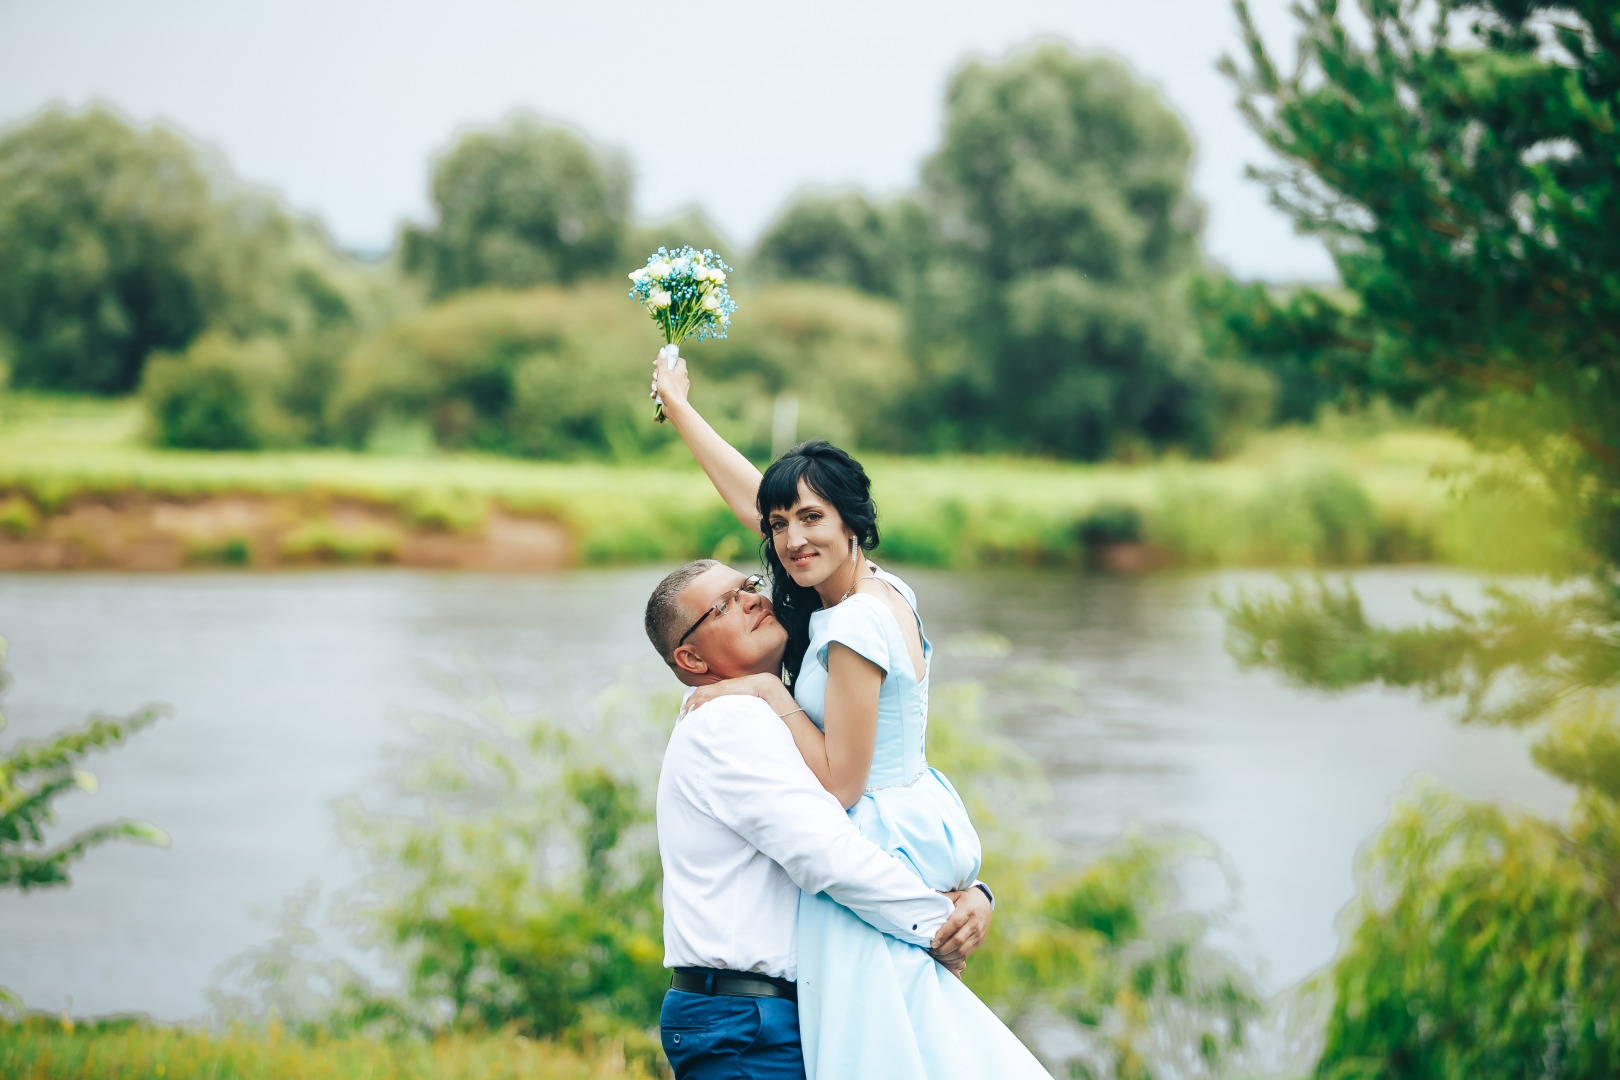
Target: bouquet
x=685, y=294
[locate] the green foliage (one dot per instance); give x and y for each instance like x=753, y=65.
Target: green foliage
x=1297, y=337
x=842, y=355
x=1468, y=191
x=1111, y=523
x=48, y=1049
x=33, y=775
x=519, y=889
x=525, y=204
x=1463, y=163
x=18, y=517
x=1484, y=943
x=838, y=237
x=1511, y=662
x=319, y=541
x=1051, y=317
x=219, y=394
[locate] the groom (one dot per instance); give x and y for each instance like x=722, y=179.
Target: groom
x=743, y=825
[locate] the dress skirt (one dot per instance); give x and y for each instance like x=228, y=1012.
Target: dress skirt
x=874, y=1008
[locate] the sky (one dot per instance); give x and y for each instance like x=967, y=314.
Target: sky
x=339, y=106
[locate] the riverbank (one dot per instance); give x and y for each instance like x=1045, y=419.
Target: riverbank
x=78, y=489
x=48, y=1049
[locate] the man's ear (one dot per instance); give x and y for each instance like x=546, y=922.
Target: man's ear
x=688, y=662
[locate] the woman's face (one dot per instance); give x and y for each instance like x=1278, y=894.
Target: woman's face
x=809, y=538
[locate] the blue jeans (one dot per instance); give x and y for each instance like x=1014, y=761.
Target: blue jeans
x=731, y=1038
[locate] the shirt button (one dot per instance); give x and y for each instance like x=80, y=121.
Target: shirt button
x=914, y=926
x=676, y=1039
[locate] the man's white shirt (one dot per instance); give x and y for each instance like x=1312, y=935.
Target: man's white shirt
x=743, y=825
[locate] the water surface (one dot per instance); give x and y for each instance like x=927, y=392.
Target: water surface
x=283, y=690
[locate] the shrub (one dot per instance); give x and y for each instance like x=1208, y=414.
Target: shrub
x=33, y=775
x=220, y=394
x=547, y=372
x=319, y=541
x=1110, y=523
x=840, y=352
x=18, y=517
x=560, y=373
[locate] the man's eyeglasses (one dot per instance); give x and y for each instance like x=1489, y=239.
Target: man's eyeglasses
x=754, y=583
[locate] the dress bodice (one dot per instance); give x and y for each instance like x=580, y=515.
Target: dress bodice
x=867, y=625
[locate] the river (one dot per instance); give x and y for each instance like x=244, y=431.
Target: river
x=284, y=691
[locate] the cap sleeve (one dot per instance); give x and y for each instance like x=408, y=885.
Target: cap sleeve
x=861, y=624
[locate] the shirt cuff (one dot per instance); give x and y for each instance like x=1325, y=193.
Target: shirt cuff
x=987, y=893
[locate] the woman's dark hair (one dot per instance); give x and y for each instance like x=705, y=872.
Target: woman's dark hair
x=836, y=477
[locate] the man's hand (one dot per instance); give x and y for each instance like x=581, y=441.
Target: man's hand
x=964, y=931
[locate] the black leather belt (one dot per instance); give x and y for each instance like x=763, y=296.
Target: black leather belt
x=732, y=983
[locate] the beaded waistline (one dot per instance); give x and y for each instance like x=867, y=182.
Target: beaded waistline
x=922, y=772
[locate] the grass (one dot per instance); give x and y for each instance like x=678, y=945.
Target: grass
x=46, y=1049
x=1333, y=495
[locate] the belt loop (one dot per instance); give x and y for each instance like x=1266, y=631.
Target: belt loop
x=708, y=983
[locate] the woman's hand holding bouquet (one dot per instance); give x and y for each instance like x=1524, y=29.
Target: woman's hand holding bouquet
x=685, y=293
x=671, y=383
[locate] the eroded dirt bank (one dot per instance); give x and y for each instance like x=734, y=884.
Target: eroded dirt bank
x=135, y=532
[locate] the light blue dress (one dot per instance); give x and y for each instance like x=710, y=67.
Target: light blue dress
x=871, y=1006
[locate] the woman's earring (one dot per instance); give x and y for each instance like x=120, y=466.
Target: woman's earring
x=852, y=550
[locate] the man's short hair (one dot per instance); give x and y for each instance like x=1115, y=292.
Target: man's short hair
x=665, y=620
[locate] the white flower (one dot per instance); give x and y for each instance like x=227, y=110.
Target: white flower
x=637, y=275
x=703, y=272
x=710, y=303
x=659, y=269
x=660, y=299
x=718, y=276
x=679, y=266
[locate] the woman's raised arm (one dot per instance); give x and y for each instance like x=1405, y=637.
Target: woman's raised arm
x=733, y=476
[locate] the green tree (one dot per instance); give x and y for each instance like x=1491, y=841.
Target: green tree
x=838, y=237
x=1463, y=162
x=524, y=204
x=110, y=236
x=1288, y=333
x=122, y=242
x=1051, y=317
x=1468, y=196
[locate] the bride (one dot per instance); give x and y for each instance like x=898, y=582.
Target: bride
x=858, y=661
